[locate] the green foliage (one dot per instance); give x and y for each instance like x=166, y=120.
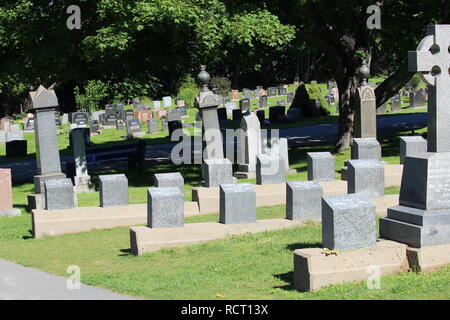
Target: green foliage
x=188, y=95
x=187, y=82
x=223, y=84
x=316, y=93
x=414, y=82
x=93, y=94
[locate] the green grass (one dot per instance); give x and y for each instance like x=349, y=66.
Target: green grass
x=256, y=266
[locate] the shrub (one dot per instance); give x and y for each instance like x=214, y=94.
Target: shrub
x=188, y=95
x=222, y=84
x=94, y=92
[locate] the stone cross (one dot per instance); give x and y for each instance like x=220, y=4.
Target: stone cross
x=432, y=62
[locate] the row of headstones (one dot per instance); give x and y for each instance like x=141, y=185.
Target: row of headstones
x=276, y=113
x=259, y=92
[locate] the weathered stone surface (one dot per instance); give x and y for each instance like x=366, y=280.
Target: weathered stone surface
x=217, y=172
x=348, y=222
x=313, y=269
x=165, y=207
x=113, y=190
x=237, y=203
x=250, y=144
x=412, y=146
x=366, y=149
x=303, y=200
x=6, y=202
x=366, y=177
x=13, y=135
x=365, y=115
x=270, y=169
x=429, y=258
x=169, y=180
x=59, y=194
x=82, y=178
x=321, y=166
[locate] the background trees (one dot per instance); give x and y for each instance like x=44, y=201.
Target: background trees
x=146, y=47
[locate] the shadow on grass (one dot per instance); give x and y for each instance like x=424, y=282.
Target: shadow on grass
x=297, y=246
x=288, y=278
x=125, y=253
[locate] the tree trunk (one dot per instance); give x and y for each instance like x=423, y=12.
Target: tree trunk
x=348, y=88
x=393, y=84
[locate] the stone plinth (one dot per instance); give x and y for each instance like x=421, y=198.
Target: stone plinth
x=321, y=166
x=366, y=177
x=237, y=203
x=169, y=180
x=303, y=200
x=59, y=194
x=113, y=190
x=165, y=207
x=217, y=172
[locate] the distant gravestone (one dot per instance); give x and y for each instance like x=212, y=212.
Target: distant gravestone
x=6, y=195
x=321, y=166
x=120, y=125
x=230, y=107
x=183, y=111
x=396, y=103
x=110, y=119
x=348, y=222
x=247, y=93
x=263, y=101
x=94, y=126
x=244, y=105
x=365, y=115
x=271, y=91
x=29, y=124
x=167, y=101
x=174, y=121
x=250, y=143
x=282, y=91
x=134, y=129
x=59, y=194
x=153, y=125
x=290, y=97
x=270, y=169
x=277, y=113
x=127, y=115
x=222, y=114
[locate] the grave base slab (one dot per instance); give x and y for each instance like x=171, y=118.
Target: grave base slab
x=143, y=239
x=429, y=259
x=314, y=270
x=10, y=213
x=84, y=219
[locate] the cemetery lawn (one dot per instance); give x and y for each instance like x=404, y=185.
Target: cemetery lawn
x=257, y=266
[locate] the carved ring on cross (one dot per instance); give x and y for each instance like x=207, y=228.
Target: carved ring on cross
x=432, y=58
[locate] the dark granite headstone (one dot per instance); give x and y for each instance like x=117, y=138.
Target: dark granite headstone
x=222, y=114
x=261, y=116
x=277, y=113
x=16, y=148
x=263, y=101
x=237, y=115
x=244, y=105
x=271, y=91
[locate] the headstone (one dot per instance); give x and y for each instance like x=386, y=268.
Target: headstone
x=277, y=113
x=261, y=114
x=263, y=101
x=217, y=172
x=281, y=103
x=247, y=94
x=365, y=113
x=113, y=190
x=59, y=194
x=165, y=125
x=222, y=114
x=119, y=107
x=237, y=115
x=127, y=115
x=230, y=107
x=366, y=177
x=80, y=118
x=165, y=208
x=411, y=147
x=94, y=127
x=143, y=115
x=110, y=119
x=396, y=103
x=110, y=108
x=303, y=200
x=321, y=166
x=156, y=105
x=167, y=101
x=6, y=123
x=82, y=179
x=237, y=203
x=29, y=124
x=153, y=125
x=94, y=116
x=134, y=129
x=423, y=216
x=348, y=222
x=6, y=196
x=244, y=105
x=120, y=125
x=282, y=91
x=366, y=149
x=13, y=135
x=270, y=169
x=183, y=111
x=290, y=97
x=169, y=180
x=16, y=148
x=250, y=143
x=294, y=114
x=271, y=91
x=48, y=163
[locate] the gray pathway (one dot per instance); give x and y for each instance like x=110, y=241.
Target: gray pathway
x=20, y=283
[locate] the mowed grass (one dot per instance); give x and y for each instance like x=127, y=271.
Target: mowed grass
x=254, y=266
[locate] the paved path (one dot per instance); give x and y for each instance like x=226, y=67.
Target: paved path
x=20, y=283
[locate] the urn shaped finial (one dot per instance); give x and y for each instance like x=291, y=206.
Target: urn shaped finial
x=203, y=78
x=364, y=73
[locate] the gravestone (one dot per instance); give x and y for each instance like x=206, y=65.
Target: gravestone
x=396, y=103
x=222, y=114
x=237, y=203
x=261, y=114
x=13, y=135
x=16, y=148
x=127, y=115
x=348, y=222
x=165, y=208
x=247, y=94
x=59, y=194
x=423, y=216
x=366, y=177
x=82, y=179
x=249, y=145
x=290, y=97
x=157, y=105
x=29, y=124
x=366, y=149
x=321, y=166
x=237, y=115
x=244, y=105
x=94, y=127
x=120, y=125
x=216, y=172
x=110, y=119
x=113, y=190
x=230, y=107
x=167, y=101
x=381, y=109
x=134, y=129
x=270, y=169
x=6, y=196
x=65, y=119
x=119, y=107
x=174, y=121
x=365, y=113
x=294, y=114
x=282, y=91
x=80, y=118
x=271, y=91
x=277, y=113
x=303, y=200
x=183, y=111
x=48, y=163
x=165, y=125
x=6, y=123
x=281, y=103
x=207, y=102
x=169, y=180
x=411, y=147
x=143, y=115
x=263, y=101
x=153, y=125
